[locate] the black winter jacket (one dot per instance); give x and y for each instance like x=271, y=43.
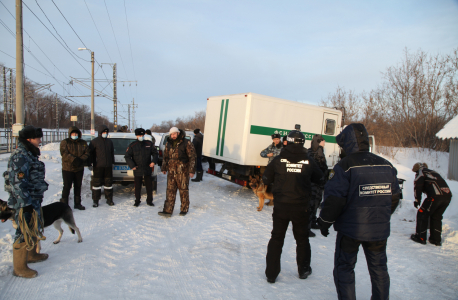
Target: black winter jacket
x=292, y=173
x=102, y=150
x=317, y=153
x=141, y=155
x=431, y=183
x=362, y=191
x=198, y=141
x=74, y=152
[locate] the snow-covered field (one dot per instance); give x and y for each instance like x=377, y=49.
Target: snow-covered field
x=218, y=250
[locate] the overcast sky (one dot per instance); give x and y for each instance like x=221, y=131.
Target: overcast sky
x=182, y=52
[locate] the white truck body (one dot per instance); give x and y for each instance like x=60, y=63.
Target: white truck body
x=238, y=127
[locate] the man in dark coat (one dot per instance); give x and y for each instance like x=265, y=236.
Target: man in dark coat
x=148, y=132
x=141, y=156
x=180, y=163
x=438, y=197
x=316, y=152
x=198, y=141
x=361, y=194
x=102, y=154
x=74, y=153
x=291, y=173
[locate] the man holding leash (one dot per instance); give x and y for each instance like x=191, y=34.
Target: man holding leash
x=74, y=153
x=361, y=194
x=102, y=154
x=141, y=156
x=438, y=197
x=180, y=162
x=25, y=183
x=291, y=172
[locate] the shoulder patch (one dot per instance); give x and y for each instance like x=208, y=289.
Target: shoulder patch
x=331, y=174
x=20, y=175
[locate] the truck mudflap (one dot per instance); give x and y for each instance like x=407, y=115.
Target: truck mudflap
x=227, y=177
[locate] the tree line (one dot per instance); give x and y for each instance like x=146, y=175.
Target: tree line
x=416, y=98
x=185, y=123
x=40, y=108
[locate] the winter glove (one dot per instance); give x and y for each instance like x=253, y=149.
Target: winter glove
x=324, y=227
x=77, y=162
x=416, y=203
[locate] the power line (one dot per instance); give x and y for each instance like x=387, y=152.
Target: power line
x=128, y=33
x=98, y=31
x=119, y=51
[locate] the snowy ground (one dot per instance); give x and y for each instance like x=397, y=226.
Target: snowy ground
x=217, y=251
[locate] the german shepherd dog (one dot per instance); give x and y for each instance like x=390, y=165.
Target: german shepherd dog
x=260, y=190
x=53, y=213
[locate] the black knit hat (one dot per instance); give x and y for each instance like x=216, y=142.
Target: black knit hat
x=196, y=131
x=284, y=138
x=147, y=131
x=276, y=136
x=30, y=132
x=139, y=131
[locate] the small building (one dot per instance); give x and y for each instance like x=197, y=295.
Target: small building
x=450, y=132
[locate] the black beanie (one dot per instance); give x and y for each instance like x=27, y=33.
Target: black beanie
x=147, y=131
x=284, y=138
x=276, y=136
x=196, y=131
x=139, y=131
x=30, y=132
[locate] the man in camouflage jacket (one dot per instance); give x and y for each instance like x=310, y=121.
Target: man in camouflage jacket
x=25, y=183
x=273, y=149
x=179, y=161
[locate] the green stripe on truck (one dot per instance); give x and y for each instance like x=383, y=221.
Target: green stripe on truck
x=224, y=127
x=219, y=128
x=261, y=130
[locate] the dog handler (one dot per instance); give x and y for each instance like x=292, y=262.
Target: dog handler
x=26, y=186
x=138, y=157
x=74, y=153
x=102, y=154
x=361, y=194
x=273, y=149
x=180, y=163
x=291, y=172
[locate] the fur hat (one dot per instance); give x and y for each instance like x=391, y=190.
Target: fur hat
x=174, y=129
x=276, y=136
x=417, y=166
x=196, y=131
x=139, y=131
x=30, y=132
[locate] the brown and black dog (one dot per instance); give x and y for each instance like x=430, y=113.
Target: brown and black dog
x=260, y=190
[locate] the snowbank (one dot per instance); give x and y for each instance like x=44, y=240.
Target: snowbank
x=50, y=147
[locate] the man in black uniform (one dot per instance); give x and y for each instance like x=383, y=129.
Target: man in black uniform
x=141, y=156
x=198, y=142
x=438, y=196
x=291, y=172
x=102, y=154
x=361, y=194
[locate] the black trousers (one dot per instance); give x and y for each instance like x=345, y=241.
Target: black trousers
x=199, y=163
x=75, y=179
x=281, y=218
x=344, y=266
x=102, y=176
x=149, y=188
x=315, y=201
x=432, y=210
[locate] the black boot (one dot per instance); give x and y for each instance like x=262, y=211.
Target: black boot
x=305, y=272
x=149, y=202
x=137, y=203
x=95, y=203
x=64, y=200
x=110, y=202
x=312, y=234
x=199, y=175
x=416, y=238
x=78, y=204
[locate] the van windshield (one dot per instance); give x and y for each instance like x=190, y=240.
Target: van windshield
x=120, y=145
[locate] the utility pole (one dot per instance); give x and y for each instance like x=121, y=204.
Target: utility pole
x=57, y=115
x=10, y=112
x=19, y=67
x=5, y=102
x=92, y=96
x=128, y=116
x=134, y=125
x=115, y=100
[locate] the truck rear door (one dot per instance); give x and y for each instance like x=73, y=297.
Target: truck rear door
x=329, y=131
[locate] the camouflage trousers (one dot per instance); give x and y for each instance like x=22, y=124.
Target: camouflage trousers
x=176, y=181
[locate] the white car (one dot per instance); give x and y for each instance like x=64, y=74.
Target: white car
x=121, y=171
